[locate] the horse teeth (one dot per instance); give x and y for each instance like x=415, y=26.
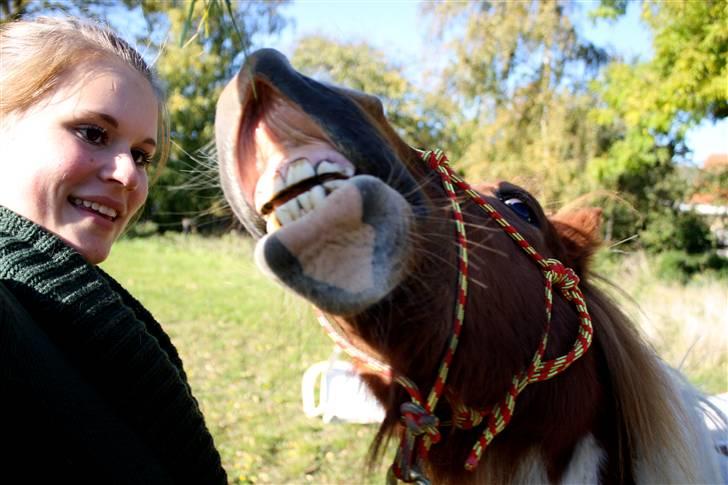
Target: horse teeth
x=266, y=189
x=318, y=194
x=299, y=170
x=288, y=212
x=278, y=184
x=305, y=201
x=333, y=185
x=296, y=172
x=325, y=166
x=272, y=224
x=282, y=215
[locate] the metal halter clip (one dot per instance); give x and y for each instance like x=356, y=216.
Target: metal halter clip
x=414, y=476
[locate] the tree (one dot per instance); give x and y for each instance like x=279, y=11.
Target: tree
x=203, y=49
x=518, y=73
x=652, y=104
x=415, y=114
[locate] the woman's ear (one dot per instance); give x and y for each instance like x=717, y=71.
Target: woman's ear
x=579, y=232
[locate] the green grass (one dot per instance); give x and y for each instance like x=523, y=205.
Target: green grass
x=246, y=342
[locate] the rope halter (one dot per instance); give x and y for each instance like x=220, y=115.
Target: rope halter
x=421, y=426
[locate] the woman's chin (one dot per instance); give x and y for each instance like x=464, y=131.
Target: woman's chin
x=93, y=249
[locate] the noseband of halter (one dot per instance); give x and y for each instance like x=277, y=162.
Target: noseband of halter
x=421, y=426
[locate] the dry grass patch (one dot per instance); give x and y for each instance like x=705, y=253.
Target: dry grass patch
x=686, y=323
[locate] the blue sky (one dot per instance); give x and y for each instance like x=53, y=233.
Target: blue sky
x=395, y=27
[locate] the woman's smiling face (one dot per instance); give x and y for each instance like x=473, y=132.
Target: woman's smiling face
x=76, y=161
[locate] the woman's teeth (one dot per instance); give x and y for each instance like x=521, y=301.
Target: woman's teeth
x=101, y=209
x=295, y=208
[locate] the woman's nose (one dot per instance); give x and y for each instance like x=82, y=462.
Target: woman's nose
x=123, y=170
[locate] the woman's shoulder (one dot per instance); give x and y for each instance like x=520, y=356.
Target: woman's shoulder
x=16, y=321
x=10, y=306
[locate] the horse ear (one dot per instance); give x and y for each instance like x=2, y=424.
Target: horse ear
x=579, y=231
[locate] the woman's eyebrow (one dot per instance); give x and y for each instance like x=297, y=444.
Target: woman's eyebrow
x=114, y=123
x=106, y=117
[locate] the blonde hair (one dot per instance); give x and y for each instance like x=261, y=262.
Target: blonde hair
x=35, y=55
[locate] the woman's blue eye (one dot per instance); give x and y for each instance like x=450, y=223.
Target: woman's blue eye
x=521, y=209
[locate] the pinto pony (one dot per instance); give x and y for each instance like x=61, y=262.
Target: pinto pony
x=497, y=359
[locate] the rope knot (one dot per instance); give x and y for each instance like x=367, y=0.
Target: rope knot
x=561, y=276
x=418, y=421
x=465, y=417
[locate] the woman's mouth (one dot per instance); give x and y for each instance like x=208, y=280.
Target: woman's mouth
x=100, y=209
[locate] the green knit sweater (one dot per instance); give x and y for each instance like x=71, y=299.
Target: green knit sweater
x=123, y=357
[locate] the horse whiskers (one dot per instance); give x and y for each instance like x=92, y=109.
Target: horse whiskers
x=489, y=249
x=420, y=186
x=469, y=225
x=419, y=238
x=476, y=260
x=428, y=256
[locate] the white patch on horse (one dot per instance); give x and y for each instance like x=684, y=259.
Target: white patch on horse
x=584, y=467
x=586, y=462
x=531, y=469
x=697, y=460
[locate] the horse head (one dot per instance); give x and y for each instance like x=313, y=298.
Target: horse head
x=354, y=220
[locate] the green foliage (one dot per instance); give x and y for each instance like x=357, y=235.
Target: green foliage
x=685, y=81
x=651, y=105
x=518, y=76
x=683, y=231
x=609, y=9
x=691, y=43
x=204, y=48
x=682, y=266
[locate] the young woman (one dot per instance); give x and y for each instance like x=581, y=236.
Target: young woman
x=91, y=388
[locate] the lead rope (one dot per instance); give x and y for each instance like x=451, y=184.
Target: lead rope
x=359, y=356
x=421, y=425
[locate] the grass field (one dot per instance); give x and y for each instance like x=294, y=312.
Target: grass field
x=246, y=343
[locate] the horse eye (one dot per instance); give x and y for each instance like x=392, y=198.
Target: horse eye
x=521, y=209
